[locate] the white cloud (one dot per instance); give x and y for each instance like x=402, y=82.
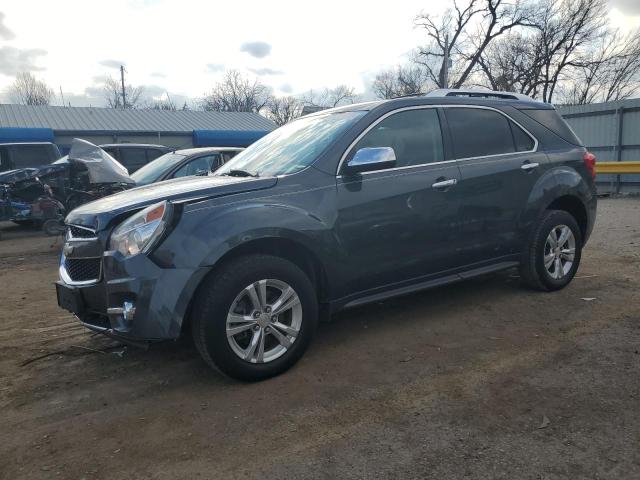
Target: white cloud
x=15, y=60
x=110, y=63
x=337, y=43
x=265, y=71
x=215, y=67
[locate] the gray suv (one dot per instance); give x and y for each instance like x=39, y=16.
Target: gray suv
x=334, y=210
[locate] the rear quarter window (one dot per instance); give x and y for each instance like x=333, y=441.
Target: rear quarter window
x=552, y=120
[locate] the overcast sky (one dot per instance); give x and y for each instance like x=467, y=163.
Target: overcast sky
x=183, y=46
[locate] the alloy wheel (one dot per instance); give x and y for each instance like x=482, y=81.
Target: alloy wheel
x=264, y=321
x=559, y=251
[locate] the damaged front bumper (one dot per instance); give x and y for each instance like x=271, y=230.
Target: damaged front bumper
x=132, y=299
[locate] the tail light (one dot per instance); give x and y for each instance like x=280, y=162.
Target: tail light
x=590, y=162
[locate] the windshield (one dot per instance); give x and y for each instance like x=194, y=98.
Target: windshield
x=152, y=170
x=291, y=147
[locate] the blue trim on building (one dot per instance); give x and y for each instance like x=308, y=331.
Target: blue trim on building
x=226, y=138
x=14, y=135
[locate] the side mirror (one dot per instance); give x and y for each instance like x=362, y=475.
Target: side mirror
x=202, y=173
x=368, y=159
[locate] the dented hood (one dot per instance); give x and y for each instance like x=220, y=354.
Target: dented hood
x=99, y=213
x=102, y=167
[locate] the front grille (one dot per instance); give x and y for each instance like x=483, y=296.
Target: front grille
x=83, y=269
x=80, y=232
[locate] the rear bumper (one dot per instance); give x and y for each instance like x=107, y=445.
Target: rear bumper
x=160, y=298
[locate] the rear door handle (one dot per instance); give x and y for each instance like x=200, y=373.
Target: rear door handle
x=529, y=166
x=444, y=184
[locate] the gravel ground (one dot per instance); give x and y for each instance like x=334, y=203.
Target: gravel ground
x=483, y=379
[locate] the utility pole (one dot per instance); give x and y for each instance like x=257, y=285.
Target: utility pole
x=124, y=97
x=62, y=95
x=445, y=63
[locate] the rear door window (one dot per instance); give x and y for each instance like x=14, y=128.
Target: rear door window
x=30, y=156
x=523, y=140
x=414, y=135
x=5, y=162
x=133, y=158
x=479, y=132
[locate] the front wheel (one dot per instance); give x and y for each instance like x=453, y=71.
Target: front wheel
x=554, y=252
x=255, y=318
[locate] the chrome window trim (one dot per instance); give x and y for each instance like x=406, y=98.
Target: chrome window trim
x=406, y=167
x=420, y=107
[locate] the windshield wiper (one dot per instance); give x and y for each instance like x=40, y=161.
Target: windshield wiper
x=240, y=173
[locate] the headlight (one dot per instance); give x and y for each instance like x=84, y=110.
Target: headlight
x=140, y=231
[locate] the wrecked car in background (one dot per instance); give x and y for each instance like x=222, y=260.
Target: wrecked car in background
x=92, y=174
x=41, y=196
x=26, y=200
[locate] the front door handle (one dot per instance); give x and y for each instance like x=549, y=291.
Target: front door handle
x=529, y=166
x=444, y=184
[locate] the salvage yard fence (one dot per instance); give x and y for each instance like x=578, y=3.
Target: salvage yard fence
x=611, y=131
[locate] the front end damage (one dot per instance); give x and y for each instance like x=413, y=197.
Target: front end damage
x=133, y=299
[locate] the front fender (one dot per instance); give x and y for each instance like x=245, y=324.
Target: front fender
x=205, y=235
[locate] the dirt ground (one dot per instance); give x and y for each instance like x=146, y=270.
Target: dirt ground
x=482, y=379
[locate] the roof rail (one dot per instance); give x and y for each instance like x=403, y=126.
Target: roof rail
x=452, y=92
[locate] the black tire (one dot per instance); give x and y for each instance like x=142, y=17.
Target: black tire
x=214, y=300
x=532, y=268
x=53, y=227
x=26, y=223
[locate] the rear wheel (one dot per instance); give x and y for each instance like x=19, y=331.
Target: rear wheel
x=255, y=318
x=554, y=252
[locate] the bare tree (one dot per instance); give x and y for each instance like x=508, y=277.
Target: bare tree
x=559, y=52
x=567, y=28
x=282, y=110
x=237, y=93
x=28, y=90
x=608, y=72
x=467, y=29
x=330, y=97
x=513, y=64
x=165, y=103
x=113, y=95
x=403, y=80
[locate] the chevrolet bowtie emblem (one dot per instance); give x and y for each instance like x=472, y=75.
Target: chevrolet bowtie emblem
x=67, y=250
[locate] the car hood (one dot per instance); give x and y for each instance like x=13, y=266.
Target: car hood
x=99, y=213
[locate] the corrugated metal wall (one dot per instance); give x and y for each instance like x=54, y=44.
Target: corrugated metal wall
x=612, y=132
